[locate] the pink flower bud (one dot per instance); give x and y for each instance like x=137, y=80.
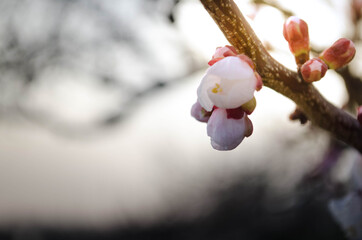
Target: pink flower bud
x=199, y=113
x=359, y=115
x=313, y=70
x=295, y=31
x=339, y=54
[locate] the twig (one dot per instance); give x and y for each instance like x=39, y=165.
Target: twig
x=285, y=12
x=277, y=77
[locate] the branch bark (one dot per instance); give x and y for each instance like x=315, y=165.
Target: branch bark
x=238, y=32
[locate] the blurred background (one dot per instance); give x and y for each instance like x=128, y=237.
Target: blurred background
x=96, y=137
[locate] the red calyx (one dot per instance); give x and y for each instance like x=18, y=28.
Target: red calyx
x=235, y=113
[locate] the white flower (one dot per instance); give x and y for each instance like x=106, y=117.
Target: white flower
x=227, y=132
x=228, y=84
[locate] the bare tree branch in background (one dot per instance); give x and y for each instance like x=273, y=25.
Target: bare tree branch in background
x=91, y=39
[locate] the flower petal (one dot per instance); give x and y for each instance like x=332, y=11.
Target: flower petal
x=199, y=113
x=229, y=83
x=208, y=81
x=225, y=133
x=232, y=68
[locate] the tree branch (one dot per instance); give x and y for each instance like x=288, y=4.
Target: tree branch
x=277, y=77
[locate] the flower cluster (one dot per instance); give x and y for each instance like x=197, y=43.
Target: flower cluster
x=295, y=31
x=226, y=98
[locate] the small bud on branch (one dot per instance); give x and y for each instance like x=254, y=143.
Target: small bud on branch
x=295, y=31
x=339, y=54
x=313, y=70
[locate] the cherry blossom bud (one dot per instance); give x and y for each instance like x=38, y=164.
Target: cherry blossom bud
x=222, y=52
x=313, y=70
x=359, y=115
x=228, y=84
x=339, y=54
x=249, y=107
x=295, y=31
x=199, y=113
x=228, y=128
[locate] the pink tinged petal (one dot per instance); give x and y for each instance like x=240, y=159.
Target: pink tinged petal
x=313, y=70
x=246, y=59
x=226, y=51
x=213, y=61
x=199, y=113
x=339, y=54
x=225, y=133
x=236, y=83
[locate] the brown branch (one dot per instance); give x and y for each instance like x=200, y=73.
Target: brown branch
x=277, y=77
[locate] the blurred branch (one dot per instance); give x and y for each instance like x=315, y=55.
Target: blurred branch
x=60, y=48
x=285, y=12
x=353, y=85
x=80, y=130
x=277, y=77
